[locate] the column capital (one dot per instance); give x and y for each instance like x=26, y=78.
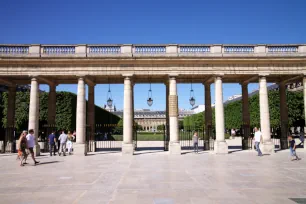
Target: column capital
x=263, y=75
x=171, y=76
x=81, y=76
x=33, y=77
x=127, y=75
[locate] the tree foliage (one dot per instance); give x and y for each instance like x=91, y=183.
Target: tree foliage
x=233, y=112
x=65, y=111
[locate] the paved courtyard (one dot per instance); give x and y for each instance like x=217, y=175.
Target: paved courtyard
x=155, y=177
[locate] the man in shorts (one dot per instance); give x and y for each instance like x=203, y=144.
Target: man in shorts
x=31, y=142
x=292, y=148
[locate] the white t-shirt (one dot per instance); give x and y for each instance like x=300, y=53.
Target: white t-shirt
x=31, y=141
x=257, y=136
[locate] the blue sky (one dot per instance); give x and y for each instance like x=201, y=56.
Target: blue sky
x=135, y=21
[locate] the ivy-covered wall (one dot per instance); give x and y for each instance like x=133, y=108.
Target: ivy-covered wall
x=233, y=112
x=65, y=111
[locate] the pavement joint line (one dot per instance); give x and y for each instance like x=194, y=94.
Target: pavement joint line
x=79, y=197
x=121, y=178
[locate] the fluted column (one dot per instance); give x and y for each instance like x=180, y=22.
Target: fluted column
x=267, y=146
x=220, y=146
x=127, y=146
x=208, y=116
x=245, y=115
x=34, y=112
x=81, y=112
x=174, y=146
x=91, y=110
x=283, y=115
x=9, y=135
x=52, y=104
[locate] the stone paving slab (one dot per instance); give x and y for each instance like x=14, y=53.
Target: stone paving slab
x=155, y=177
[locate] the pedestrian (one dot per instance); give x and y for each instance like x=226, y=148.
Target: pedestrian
x=70, y=142
x=292, y=149
x=22, y=146
x=302, y=137
x=74, y=135
x=31, y=143
x=233, y=133
x=258, y=140
x=195, y=142
x=52, y=141
x=63, y=139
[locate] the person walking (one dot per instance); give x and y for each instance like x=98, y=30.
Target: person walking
x=63, y=139
x=292, y=148
x=195, y=139
x=70, y=142
x=52, y=142
x=22, y=146
x=258, y=140
x=31, y=143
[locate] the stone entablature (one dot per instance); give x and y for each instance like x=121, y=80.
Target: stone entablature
x=158, y=50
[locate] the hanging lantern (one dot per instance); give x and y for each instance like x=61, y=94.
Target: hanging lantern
x=192, y=99
x=109, y=97
x=150, y=99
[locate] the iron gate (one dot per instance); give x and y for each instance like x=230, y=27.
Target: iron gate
x=186, y=138
x=9, y=141
x=166, y=137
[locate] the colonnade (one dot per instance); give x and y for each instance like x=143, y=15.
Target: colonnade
x=220, y=146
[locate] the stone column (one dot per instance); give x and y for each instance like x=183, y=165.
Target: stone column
x=220, y=146
x=81, y=115
x=34, y=113
x=245, y=115
x=174, y=146
x=208, y=116
x=10, y=124
x=283, y=115
x=52, y=104
x=167, y=132
x=267, y=147
x=127, y=145
x=91, y=110
x=304, y=88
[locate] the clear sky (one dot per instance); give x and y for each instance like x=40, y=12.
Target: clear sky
x=135, y=21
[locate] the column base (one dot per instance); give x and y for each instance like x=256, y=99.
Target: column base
x=175, y=148
x=267, y=147
x=206, y=145
x=79, y=149
x=127, y=149
x=284, y=143
x=36, y=150
x=245, y=144
x=220, y=147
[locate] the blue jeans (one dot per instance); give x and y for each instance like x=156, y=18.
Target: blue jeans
x=292, y=152
x=257, y=148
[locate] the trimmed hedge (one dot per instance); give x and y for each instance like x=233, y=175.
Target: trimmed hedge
x=65, y=111
x=233, y=112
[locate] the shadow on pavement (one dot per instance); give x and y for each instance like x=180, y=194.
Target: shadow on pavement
x=50, y=162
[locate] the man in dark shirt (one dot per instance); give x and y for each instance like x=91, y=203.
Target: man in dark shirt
x=292, y=147
x=52, y=141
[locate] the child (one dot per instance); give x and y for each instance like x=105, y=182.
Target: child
x=292, y=148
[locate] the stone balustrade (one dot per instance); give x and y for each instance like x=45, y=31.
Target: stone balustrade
x=151, y=50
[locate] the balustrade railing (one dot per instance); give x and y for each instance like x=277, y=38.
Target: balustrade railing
x=238, y=49
x=282, y=49
x=150, y=49
x=194, y=49
x=14, y=50
x=59, y=50
x=145, y=50
x=104, y=50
